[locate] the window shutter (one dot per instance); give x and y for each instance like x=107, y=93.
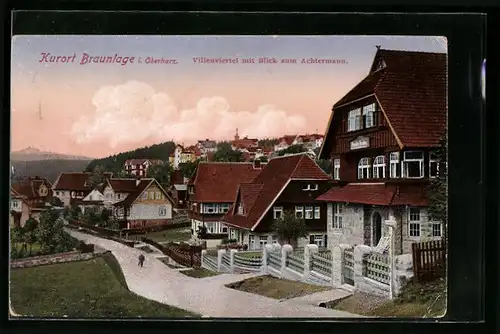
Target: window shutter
x=311, y=239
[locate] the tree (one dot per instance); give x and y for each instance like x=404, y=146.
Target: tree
x=263, y=159
x=90, y=217
x=105, y=216
x=292, y=149
x=55, y=201
x=123, y=175
x=326, y=165
x=188, y=168
x=97, y=176
x=160, y=172
x=17, y=235
x=290, y=228
x=225, y=153
x=268, y=142
x=30, y=233
x=75, y=212
x=437, y=191
x=51, y=235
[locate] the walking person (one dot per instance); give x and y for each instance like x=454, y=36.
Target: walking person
x=141, y=260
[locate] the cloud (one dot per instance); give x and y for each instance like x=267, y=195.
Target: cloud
x=134, y=112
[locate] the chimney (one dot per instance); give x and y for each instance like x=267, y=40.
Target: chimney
x=256, y=164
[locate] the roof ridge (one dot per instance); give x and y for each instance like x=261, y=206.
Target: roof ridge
x=289, y=155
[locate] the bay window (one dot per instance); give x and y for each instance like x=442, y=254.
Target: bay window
x=299, y=212
x=369, y=115
x=413, y=165
x=309, y=212
x=414, y=222
x=364, y=167
x=337, y=216
x=379, y=167
x=354, y=120
x=278, y=212
x=336, y=169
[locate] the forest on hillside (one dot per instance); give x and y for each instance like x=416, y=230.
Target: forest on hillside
x=49, y=169
x=114, y=163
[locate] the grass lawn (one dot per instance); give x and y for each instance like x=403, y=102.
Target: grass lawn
x=416, y=300
x=277, y=288
x=174, y=235
x=87, y=289
x=199, y=273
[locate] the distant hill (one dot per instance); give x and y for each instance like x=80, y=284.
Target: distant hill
x=114, y=163
x=34, y=154
x=49, y=169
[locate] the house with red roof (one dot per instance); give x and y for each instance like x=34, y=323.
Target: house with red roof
x=285, y=142
x=309, y=141
x=183, y=154
x=139, y=167
x=288, y=183
x=20, y=209
x=138, y=203
x=381, y=136
x=178, y=190
x=36, y=191
x=243, y=144
x=211, y=192
x=71, y=187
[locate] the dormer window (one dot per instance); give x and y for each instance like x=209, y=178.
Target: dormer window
x=369, y=115
x=364, y=167
x=277, y=212
x=354, y=120
x=413, y=165
x=310, y=187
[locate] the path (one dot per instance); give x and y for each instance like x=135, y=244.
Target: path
x=319, y=297
x=211, y=298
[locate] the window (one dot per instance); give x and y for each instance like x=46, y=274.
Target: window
x=275, y=239
x=413, y=165
x=240, y=209
x=118, y=196
x=210, y=227
x=394, y=169
x=224, y=208
x=224, y=229
x=364, y=167
x=309, y=212
x=433, y=165
x=379, y=167
x=144, y=195
x=15, y=204
x=251, y=240
x=336, y=169
x=319, y=240
x=437, y=229
x=191, y=190
x=337, y=216
x=313, y=187
x=369, y=114
x=208, y=208
x=354, y=120
x=262, y=241
x=306, y=187
x=414, y=222
x=162, y=211
x=317, y=212
x=299, y=212
x=278, y=212
x=120, y=212
x=158, y=195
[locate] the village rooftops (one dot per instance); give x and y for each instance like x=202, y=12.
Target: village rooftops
x=134, y=162
x=75, y=181
x=139, y=187
x=410, y=88
x=216, y=182
x=29, y=188
x=259, y=195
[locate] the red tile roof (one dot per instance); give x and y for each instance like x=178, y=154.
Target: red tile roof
x=176, y=177
x=29, y=188
x=288, y=139
x=123, y=185
x=244, y=143
x=271, y=181
x=378, y=194
x=74, y=181
x=217, y=182
x=412, y=92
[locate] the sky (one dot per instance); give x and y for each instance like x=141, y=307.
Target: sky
x=70, y=104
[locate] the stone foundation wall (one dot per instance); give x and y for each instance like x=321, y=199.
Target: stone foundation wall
x=51, y=259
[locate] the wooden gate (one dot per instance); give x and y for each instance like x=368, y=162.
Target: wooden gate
x=429, y=260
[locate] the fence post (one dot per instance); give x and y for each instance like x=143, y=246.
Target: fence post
x=360, y=252
x=220, y=254
x=265, y=253
x=285, y=250
x=338, y=265
x=232, y=252
x=202, y=258
x=309, y=250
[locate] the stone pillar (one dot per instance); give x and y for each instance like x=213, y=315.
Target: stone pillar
x=338, y=263
x=203, y=253
x=285, y=250
x=265, y=253
x=309, y=250
x=360, y=252
x=391, y=223
x=220, y=254
x=403, y=272
x=232, y=252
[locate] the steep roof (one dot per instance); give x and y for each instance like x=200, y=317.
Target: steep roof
x=123, y=185
x=29, y=188
x=176, y=177
x=216, y=182
x=74, y=181
x=260, y=194
x=139, y=189
x=411, y=90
